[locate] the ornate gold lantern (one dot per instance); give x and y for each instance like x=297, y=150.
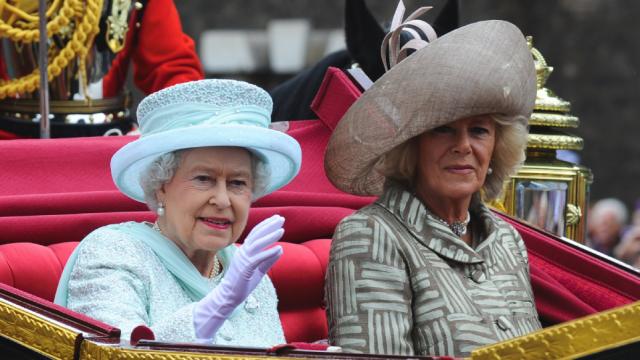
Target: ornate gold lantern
x=548, y=192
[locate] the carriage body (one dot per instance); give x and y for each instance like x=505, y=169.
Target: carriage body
x=54, y=192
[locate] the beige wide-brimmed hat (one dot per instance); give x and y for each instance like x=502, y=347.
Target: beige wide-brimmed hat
x=482, y=68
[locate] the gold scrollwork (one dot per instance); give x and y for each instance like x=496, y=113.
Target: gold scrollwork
x=556, y=120
x=36, y=333
x=94, y=351
x=573, y=214
x=572, y=339
x=554, y=142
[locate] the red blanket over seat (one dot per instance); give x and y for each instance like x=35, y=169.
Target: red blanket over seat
x=54, y=192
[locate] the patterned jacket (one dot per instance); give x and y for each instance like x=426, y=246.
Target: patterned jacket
x=400, y=282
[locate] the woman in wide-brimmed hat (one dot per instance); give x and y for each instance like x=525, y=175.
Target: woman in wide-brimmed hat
x=204, y=155
x=428, y=269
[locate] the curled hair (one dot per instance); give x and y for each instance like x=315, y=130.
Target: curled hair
x=508, y=153
x=158, y=173
x=162, y=170
x=400, y=163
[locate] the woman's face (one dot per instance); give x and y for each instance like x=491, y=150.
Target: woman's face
x=208, y=199
x=453, y=159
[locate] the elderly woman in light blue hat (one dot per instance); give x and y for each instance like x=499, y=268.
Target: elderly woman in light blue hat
x=205, y=153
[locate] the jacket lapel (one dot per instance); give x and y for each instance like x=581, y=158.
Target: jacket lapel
x=425, y=228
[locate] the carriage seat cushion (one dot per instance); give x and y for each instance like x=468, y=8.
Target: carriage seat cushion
x=298, y=278
x=34, y=268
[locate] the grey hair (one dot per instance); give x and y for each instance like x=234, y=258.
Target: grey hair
x=162, y=170
x=613, y=205
x=400, y=163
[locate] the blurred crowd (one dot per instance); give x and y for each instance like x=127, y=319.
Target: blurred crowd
x=613, y=232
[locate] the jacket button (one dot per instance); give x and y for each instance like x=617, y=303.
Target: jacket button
x=478, y=276
x=503, y=323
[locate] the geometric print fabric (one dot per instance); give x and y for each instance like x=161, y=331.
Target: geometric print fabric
x=400, y=282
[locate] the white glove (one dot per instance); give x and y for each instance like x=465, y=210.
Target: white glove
x=249, y=265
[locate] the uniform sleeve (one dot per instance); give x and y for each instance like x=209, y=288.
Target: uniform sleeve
x=164, y=54
x=109, y=282
x=367, y=290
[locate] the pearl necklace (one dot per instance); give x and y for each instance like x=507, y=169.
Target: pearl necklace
x=215, y=269
x=457, y=227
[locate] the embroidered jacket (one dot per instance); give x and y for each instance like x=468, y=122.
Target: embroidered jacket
x=401, y=282
x=120, y=280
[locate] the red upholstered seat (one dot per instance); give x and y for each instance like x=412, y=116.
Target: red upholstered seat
x=63, y=209
x=34, y=268
x=298, y=277
x=38, y=231
x=568, y=282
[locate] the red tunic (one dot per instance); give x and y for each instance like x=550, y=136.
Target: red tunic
x=162, y=54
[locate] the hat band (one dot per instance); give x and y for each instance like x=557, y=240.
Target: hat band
x=178, y=116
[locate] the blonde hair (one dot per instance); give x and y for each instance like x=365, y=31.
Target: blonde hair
x=400, y=163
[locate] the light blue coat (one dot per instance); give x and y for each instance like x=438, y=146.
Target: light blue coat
x=128, y=275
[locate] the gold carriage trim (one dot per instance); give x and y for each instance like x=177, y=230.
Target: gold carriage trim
x=554, y=120
x=36, y=332
x=588, y=335
x=554, y=142
x=94, y=351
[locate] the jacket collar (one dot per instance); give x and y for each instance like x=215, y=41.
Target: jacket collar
x=432, y=233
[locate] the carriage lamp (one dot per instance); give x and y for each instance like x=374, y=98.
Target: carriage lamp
x=547, y=192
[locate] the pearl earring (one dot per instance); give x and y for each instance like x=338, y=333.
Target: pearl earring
x=489, y=171
x=160, y=210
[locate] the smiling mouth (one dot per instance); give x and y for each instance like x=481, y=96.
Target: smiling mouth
x=216, y=223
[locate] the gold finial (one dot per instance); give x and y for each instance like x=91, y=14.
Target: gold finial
x=542, y=69
x=551, y=113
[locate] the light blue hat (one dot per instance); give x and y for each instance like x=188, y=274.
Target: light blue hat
x=206, y=113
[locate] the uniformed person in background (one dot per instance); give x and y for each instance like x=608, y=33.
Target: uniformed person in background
x=91, y=45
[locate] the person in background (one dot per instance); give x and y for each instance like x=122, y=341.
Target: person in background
x=607, y=218
x=628, y=250
x=205, y=154
x=635, y=215
x=428, y=269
